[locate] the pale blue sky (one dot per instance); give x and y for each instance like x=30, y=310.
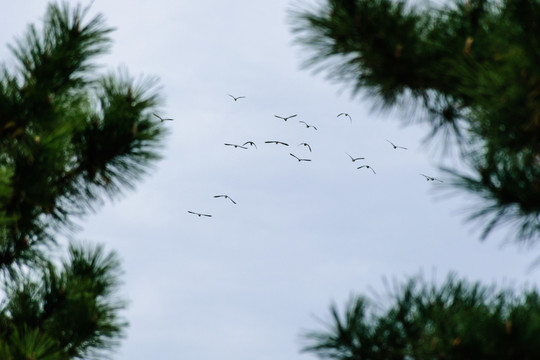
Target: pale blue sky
x=245, y=283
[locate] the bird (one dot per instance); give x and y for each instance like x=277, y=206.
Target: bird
x=395, y=146
x=354, y=159
x=251, y=143
x=286, y=117
x=368, y=167
x=307, y=125
x=160, y=118
x=307, y=145
x=236, y=97
x=429, y=178
x=345, y=114
x=236, y=146
x=276, y=142
x=226, y=197
x=199, y=214
x=297, y=158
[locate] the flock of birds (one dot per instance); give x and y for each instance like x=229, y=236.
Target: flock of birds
x=281, y=143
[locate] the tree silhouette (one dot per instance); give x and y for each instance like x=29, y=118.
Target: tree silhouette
x=472, y=66
x=69, y=137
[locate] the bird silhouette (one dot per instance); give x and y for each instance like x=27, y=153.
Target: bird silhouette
x=354, y=159
x=251, y=143
x=368, y=167
x=307, y=125
x=276, y=142
x=285, y=117
x=307, y=145
x=429, y=178
x=297, y=158
x=226, y=197
x=395, y=146
x=236, y=146
x=345, y=114
x=162, y=119
x=236, y=97
x=199, y=214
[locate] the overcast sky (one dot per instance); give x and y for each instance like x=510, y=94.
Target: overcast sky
x=246, y=282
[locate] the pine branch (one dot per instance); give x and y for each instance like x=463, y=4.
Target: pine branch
x=74, y=310
x=456, y=320
x=67, y=139
x=472, y=65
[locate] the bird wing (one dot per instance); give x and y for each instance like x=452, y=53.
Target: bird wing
x=296, y=157
x=340, y=114
x=191, y=212
x=279, y=117
x=282, y=143
x=234, y=202
x=390, y=142
x=314, y=127
x=291, y=116
x=309, y=147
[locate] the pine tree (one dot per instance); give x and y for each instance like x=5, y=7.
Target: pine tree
x=455, y=321
x=69, y=138
x=472, y=66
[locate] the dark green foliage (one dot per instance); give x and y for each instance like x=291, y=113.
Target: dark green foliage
x=473, y=65
x=457, y=320
x=68, y=138
x=66, y=135
x=72, y=311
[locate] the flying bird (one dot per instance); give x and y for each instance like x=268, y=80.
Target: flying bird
x=307, y=125
x=345, y=114
x=251, y=143
x=297, y=158
x=354, y=159
x=307, y=145
x=236, y=146
x=429, y=178
x=160, y=118
x=226, y=197
x=286, y=117
x=236, y=97
x=395, y=146
x=276, y=142
x=368, y=167
x=199, y=214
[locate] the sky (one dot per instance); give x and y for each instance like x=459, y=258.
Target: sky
x=248, y=281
